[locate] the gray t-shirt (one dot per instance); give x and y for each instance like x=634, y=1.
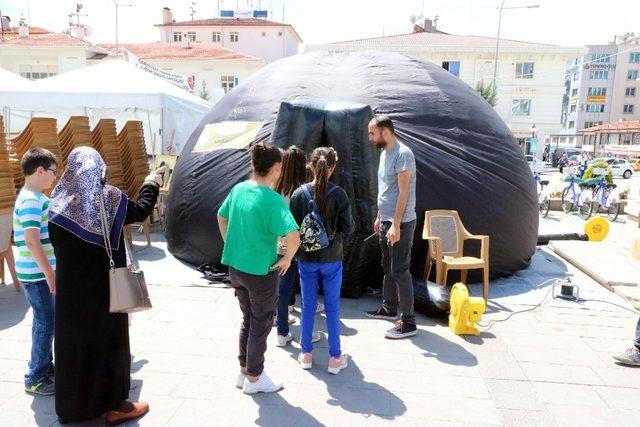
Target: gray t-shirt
x=399, y=159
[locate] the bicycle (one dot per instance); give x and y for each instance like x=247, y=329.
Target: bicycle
x=606, y=196
x=575, y=195
x=543, y=195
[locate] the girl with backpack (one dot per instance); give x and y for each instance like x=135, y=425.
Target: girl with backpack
x=324, y=212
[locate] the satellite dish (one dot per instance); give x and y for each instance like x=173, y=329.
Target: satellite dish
x=412, y=19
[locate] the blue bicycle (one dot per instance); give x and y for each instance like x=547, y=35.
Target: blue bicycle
x=574, y=195
x=606, y=196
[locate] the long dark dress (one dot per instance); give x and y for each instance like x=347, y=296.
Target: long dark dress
x=92, y=356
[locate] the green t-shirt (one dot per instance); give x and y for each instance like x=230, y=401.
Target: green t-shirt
x=256, y=216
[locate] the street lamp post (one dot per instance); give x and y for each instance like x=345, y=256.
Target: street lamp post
x=495, y=60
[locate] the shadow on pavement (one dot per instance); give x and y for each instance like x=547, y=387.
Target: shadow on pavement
x=13, y=307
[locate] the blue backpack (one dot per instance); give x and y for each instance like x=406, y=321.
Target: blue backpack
x=313, y=234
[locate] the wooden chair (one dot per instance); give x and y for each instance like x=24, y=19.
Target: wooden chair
x=446, y=235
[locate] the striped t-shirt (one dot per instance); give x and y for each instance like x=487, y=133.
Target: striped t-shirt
x=31, y=211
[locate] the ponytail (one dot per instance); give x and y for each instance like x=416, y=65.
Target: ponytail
x=322, y=159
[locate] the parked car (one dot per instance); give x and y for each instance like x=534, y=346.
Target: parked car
x=534, y=163
x=619, y=167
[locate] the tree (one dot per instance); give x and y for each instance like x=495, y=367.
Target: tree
x=488, y=92
x=204, y=93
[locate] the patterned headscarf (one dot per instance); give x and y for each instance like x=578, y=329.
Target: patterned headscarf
x=75, y=204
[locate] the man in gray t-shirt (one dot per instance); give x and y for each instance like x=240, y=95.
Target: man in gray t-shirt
x=395, y=224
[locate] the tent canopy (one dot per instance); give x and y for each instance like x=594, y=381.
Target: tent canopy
x=114, y=89
x=12, y=82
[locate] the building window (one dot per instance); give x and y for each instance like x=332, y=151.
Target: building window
x=34, y=75
x=628, y=109
x=228, y=82
x=595, y=108
x=630, y=91
x=520, y=107
x=572, y=125
x=524, y=70
x=234, y=37
x=599, y=74
x=216, y=37
x=632, y=75
x=279, y=33
x=177, y=37
x=634, y=57
x=452, y=66
x=597, y=91
x=592, y=124
x=191, y=36
x=600, y=57
x=575, y=76
x=41, y=72
x=573, y=108
x=263, y=34
x=574, y=92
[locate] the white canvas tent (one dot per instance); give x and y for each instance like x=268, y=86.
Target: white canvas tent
x=11, y=82
x=112, y=89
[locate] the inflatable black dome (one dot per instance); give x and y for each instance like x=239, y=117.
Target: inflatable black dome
x=466, y=156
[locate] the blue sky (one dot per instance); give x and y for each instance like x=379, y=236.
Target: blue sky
x=565, y=22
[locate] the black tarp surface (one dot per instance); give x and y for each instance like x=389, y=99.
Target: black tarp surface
x=466, y=156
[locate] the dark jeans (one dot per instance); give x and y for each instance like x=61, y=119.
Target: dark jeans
x=638, y=334
x=285, y=283
x=257, y=298
x=397, y=286
x=43, y=304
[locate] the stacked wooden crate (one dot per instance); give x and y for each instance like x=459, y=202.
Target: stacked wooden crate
x=133, y=155
x=105, y=140
x=7, y=186
x=41, y=132
x=76, y=133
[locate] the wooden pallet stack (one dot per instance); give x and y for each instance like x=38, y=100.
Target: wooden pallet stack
x=133, y=155
x=105, y=140
x=76, y=133
x=7, y=186
x=41, y=132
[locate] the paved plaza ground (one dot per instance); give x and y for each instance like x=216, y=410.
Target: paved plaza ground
x=548, y=366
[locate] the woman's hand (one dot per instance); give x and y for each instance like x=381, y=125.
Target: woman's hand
x=282, y=265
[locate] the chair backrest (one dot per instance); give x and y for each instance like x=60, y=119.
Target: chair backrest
x=447, y=226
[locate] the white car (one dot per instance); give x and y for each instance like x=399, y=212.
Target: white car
x=619, y=167
x=534, y=163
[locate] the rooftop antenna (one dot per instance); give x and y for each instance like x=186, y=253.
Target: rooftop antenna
x=435, y=22
x=193, y=9
x=77, y=15
x=117, y=5
x=284, y=2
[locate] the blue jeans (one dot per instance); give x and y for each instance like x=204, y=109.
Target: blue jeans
x=43, y=304
x=285, y=283
x=330, y=273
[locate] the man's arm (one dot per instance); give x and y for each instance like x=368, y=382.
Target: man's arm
x=404, y=178
x=222, y=224
x=32, y=239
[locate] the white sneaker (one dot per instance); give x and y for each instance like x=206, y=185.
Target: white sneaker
x=283, y=340
x=320, y=308
x=240, y=381
x=337, y=364
x=264, y=384
x=305, y=360
x=292, y=320
x=317, y=336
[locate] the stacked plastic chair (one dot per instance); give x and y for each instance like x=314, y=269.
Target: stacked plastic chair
x=133, y=154
x=105, y=140
x=76, y=133
x=41, y=132
x=7, y=185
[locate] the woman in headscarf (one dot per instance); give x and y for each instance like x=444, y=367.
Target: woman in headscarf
x=93, y=360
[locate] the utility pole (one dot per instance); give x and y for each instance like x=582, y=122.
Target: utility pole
x=117, y=5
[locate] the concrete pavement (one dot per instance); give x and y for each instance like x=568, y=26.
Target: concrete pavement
x=549, y=366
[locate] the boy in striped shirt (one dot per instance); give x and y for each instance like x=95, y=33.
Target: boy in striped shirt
x=35, y=264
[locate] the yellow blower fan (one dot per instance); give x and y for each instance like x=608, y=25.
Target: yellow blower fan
x=465, y=311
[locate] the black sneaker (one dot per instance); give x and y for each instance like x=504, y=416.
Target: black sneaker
x=401, y=330
x=44, y=387
x=382, y=313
